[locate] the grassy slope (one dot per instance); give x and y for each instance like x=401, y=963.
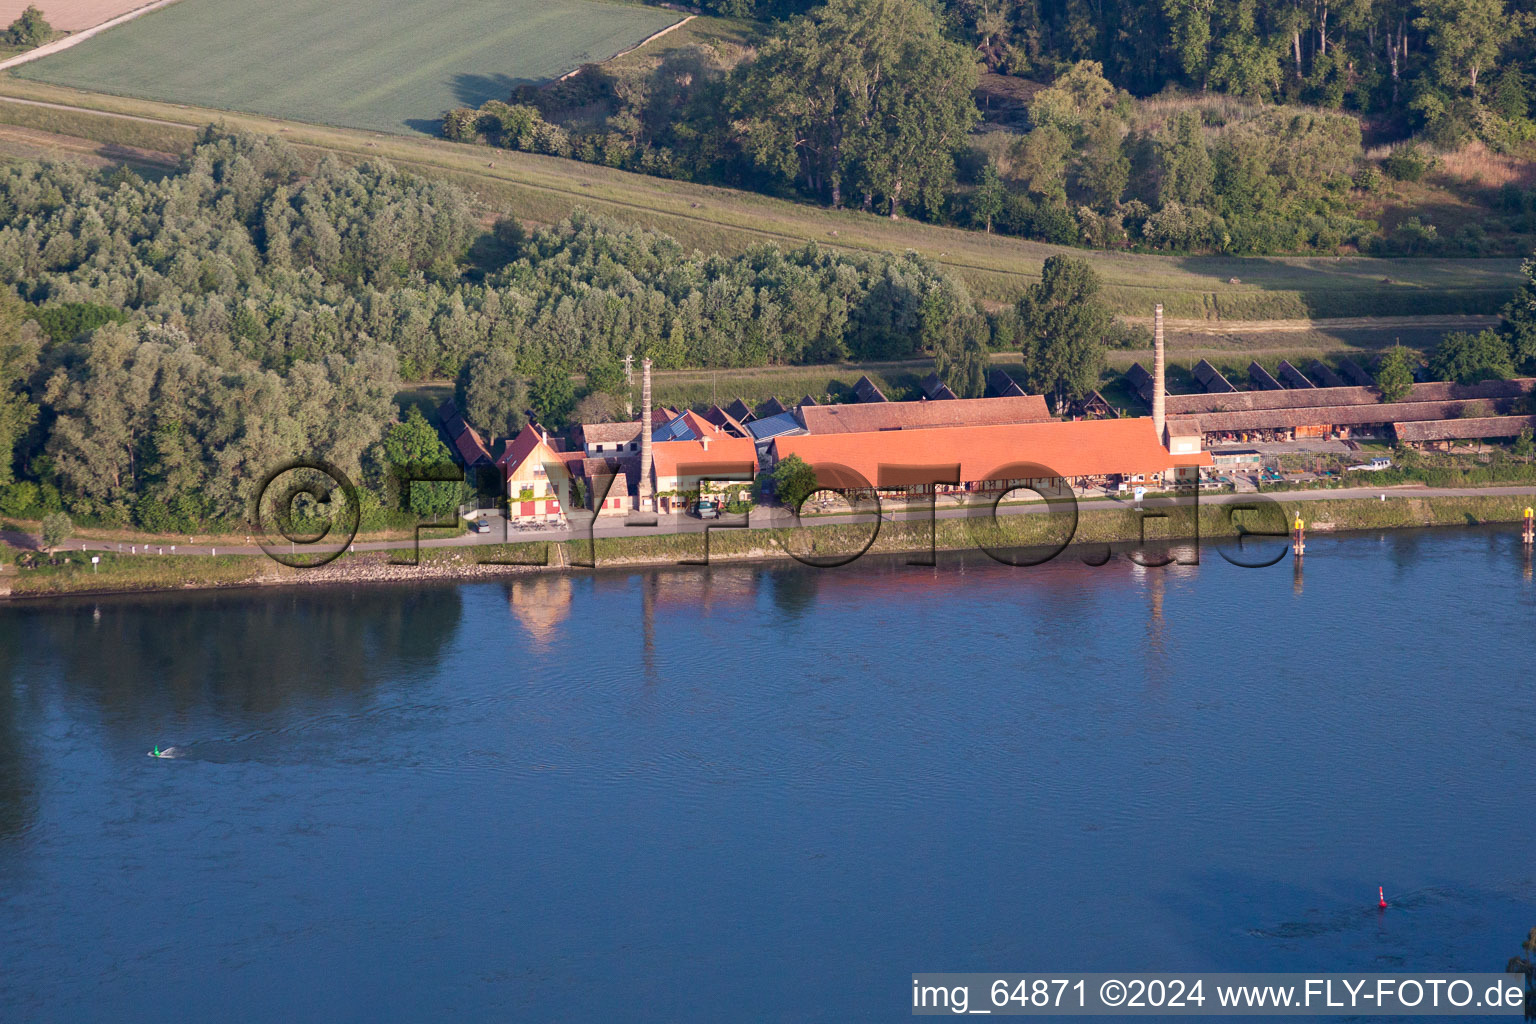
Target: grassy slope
x=544, y=189
x=391, y=65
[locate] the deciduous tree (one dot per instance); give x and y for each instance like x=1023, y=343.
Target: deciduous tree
x=413, y=445
x=552, y=395
x=1520, y=318
x=491, y=393
x=1468, y=358
x=1062, y=323
x=1394, y=375
x=29, y=30
x=57, y=528
x=860, y=95
x=1466, y=37
x=794, y=480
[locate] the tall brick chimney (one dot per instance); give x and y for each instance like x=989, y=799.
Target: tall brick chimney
x=646, y=502
x=1159, y=372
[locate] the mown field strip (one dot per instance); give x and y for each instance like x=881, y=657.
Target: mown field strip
x=389, y=65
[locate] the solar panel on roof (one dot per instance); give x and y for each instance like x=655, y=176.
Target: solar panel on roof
x=774, y=426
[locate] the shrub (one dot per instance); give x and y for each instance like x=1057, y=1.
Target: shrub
x=153, y=515
x=1367, y=179
x=19, y=499
x=1525, y=444
x=1407, y=163
x=1471, y=239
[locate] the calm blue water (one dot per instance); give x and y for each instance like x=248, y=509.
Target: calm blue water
x=649, y=796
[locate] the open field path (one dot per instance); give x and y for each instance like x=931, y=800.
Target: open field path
x=1460, y=322
x=76, y=38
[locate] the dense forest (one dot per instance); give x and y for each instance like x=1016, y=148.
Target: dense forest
x=1180, y=125
x=165, y=343
x=1418, y=60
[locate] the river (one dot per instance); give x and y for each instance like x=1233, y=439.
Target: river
x=763, y=792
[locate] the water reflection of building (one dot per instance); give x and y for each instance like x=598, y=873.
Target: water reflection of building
x=540, y=604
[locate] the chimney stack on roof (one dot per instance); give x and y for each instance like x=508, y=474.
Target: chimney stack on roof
x=1159, y=373
x=645, y=435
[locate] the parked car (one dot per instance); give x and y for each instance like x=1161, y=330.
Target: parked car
x=480, y=526
x=706, y=509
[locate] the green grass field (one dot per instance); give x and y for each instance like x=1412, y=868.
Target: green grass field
x=388, y=65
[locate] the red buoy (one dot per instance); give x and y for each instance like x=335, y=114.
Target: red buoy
x=1382, y=897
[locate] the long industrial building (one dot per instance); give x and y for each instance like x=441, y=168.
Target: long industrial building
x=948, y=444
x=972, y=445
x=1488, y=409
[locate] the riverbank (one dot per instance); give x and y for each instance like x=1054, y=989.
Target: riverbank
x=1024, y=538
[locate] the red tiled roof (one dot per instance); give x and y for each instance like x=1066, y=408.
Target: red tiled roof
x=960, y=412
x=726, y=421
x=724, y=454
x=471, y=449
x=527, y=441
x=699, y=424
x=1083, y=448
